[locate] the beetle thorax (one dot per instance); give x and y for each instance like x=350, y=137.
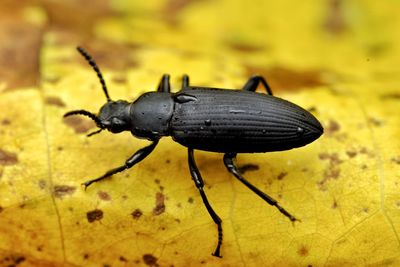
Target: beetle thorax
x=150, y=115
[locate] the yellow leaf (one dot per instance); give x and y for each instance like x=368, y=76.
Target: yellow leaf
x=337, y=59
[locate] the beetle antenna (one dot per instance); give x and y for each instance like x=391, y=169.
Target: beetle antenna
x=92, y=63
x=85, y=113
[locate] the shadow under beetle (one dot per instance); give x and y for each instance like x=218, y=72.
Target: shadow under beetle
x=210, y=119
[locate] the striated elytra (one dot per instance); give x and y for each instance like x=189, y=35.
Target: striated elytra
x=209, y=119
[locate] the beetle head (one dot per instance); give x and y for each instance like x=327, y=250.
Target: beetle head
x=113, y=115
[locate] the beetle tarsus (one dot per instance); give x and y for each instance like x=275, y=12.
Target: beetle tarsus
x=198, y=180
x=217, y=252
x=232, y=168
x=104, y=176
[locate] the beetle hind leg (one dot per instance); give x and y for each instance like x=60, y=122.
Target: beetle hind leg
x=253, y=82
x=185, y=81
x=198, y=180
x=229, y=159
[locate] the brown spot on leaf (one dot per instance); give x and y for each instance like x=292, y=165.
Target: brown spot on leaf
x=55, y=101
x=60, y=191
x=376, y=122
x=104, y=196
x=395, y=96
x=333, y=169
x=119, y=79
x=334, y=205
x=160, y=205
x=282, y=175
x=5, y=122
x=246, y=48
x=396, y=160
x=42, y=184
x=94, y=215
x=190, y=200
x=79, y=124
x=12, y=260
x=8, y=158
x=367, y=152
x=334, y=158
x=303, y=251
x=1, y=209
x=351, y=153
x=332, y=128
x=136, y=214
x=248, y=167
x=280, y=78
x=123, y=259
x=335, y=22
x=150, y=260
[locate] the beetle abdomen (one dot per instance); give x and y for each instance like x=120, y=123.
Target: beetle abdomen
x=240, y=121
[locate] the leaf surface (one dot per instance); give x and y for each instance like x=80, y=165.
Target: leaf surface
x=337, y=59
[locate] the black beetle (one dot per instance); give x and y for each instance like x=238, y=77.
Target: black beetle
x=210, y=119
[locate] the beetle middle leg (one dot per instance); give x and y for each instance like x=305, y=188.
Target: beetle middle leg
x=198, y=180
x=229, y=159
x=253, y=82
x=139, y=155
x=164, y=85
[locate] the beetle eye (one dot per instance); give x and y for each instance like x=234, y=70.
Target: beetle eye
x=117, y=125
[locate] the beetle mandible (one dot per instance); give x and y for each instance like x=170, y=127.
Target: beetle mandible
x=209, y=119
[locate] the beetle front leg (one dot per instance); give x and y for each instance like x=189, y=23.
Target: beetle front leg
x=164, y=85
x=198, y=180
x=253, y=82
x=139, y=155
x=229, y=159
